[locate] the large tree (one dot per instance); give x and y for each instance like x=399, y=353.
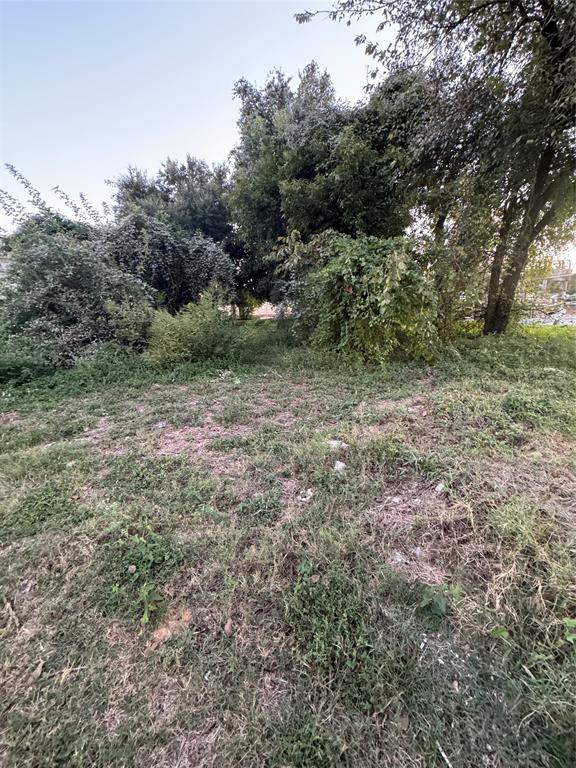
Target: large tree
x=506, y=69
x=307, y=162
x=189, y=198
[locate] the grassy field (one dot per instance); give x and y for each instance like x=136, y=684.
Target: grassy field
x=186, y=580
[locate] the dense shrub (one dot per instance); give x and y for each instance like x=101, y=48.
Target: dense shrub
x=177, y=266
x=372, y=298
x=63, y=294
x=198, y=332
x=21, y=367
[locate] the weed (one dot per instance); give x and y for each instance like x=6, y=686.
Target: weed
x=49, y=506
x=261, y=510
x=327, y=616
x=234, y=412
x=134, y=563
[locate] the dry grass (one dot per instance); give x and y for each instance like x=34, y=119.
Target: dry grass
x=297, y=616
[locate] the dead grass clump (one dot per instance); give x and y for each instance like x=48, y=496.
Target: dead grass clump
x=194, y=748
x=10, y=418
x=416, y=528
x=193, y=440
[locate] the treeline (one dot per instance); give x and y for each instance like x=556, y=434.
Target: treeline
x=378, y=225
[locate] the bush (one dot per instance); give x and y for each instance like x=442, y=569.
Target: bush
x=19, y=368
x=200, y=331
x=372, y=299
x=176, y=266
x=20, y=361
x=63, y=294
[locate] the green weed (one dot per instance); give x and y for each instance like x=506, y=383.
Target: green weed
x=46, y=507
x=134, y=564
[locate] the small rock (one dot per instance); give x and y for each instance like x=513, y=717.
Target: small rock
x=315, y=578
x=397, y=558
x=228, y=627
x=131, y=569
x=339, y=466
x=440, y=488
x=305, y=495
x=336, y=445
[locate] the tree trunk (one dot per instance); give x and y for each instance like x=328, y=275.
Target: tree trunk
x=499, y=317
x=439, y=228
x=502, y=290
x=497, y=263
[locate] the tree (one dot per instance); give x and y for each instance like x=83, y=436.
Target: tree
x=190, y=199
x=177, y=266
x=307, y=162
x=507, y=67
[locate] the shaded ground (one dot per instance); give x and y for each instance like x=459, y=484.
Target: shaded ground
x=187, y=581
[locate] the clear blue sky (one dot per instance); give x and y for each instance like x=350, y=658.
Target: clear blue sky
x=89, y=88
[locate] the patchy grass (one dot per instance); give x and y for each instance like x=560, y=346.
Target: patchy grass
x=187, y=581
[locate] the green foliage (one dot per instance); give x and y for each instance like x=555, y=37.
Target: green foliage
x=18, y=366
x=129, y=323
x=262, y=509
x=189, y=202
x=58, y=291
x=189, y=195
x=178, y=266
x=329, y=619
x=472, y=159
x=135, y=563
x=198, y=332
x=436, y=601
x=47, y=506
x=301, y=744
x=372, y=299
x=310, y=163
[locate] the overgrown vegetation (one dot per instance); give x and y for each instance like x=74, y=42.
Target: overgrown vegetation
x=181, y=559
x=319, y=191
x=342, y=538
x=372, y=299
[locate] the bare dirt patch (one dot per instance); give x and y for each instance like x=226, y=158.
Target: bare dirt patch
x=418, y=564
x=176, y=621
x=174, y=441
x=406, y=529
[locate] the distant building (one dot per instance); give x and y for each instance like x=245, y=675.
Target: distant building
x=561, y=280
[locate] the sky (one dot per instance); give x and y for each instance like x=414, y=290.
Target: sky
x=89, y=88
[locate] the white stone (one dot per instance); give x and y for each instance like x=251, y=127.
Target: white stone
x=337, y=445
x=339, y=466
